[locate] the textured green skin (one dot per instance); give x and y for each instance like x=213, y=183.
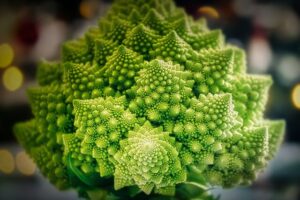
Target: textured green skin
x=149, y=101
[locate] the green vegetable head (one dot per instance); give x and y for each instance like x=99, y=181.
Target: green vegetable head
x=149, y=102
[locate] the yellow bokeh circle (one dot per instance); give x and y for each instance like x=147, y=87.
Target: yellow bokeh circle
x=12, y=78
x=296, y=96
x=24, y=164
x=7, y=164
x=6, y=55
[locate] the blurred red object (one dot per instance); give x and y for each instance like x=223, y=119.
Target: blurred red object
x=26, y=31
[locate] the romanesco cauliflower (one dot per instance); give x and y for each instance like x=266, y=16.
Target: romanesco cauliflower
x=149, y=102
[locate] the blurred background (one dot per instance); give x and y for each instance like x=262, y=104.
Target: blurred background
x=31, y=30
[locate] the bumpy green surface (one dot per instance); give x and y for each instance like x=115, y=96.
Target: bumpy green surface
x=149, y=101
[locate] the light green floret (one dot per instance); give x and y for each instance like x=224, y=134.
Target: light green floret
x=250, y=94
x=52, y=118
x=118, y=31
x=44, y=151
x=156, y=22
x=275, y=133
x=172, y=48
x=49, y=73
x=244, y=155
x=27, y=135
x=148, y=159
x=150, y=103
x=141, y=39
x=122, y=67
x=161, y=91
x=103, y=49
x=101, y=124
x=72, y=149
x=204, y=127
x=76, y=51
x=212, y=71
x=82, y=81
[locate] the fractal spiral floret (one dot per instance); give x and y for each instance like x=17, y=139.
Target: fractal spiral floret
x=149, y=104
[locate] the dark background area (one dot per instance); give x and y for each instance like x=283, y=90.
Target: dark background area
x=268, y=30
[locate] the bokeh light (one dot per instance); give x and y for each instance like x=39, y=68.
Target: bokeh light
x=260, y=55
x=296, y=96
x=209, y=11
x=87, y=8
x=6, y=55
x=288, y=69
x=12, y=78
x=24, y=164
x=7, y=164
